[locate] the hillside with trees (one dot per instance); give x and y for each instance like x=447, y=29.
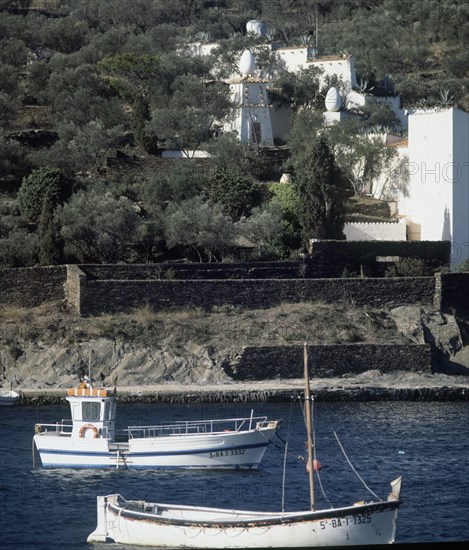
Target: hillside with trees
x=91, y=93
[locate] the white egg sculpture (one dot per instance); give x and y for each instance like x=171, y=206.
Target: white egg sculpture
x=333, y=100
x=255, y=26
x=247, y=63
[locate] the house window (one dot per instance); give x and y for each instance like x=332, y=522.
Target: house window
x=90, y=411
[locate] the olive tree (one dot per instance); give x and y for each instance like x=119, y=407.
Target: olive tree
x=182, y=182
x=199, y=226
x=98, y=227
x=264, y=228
x=194, y=111
x=78, y=95
x=12, y=156
x=133, y=76
x=80, y=149
x=19, y=248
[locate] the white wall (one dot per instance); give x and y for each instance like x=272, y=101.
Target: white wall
x=250, y=109
x=393, y=183
x=296, y=58
x=201, y=48
x=437, y=207
x=375, y=231
x=343, y=67
x=356, y=99
x=293, y=59
x=430, y=193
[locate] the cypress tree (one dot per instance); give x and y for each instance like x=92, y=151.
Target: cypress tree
x=50, y=240
x=322, y=191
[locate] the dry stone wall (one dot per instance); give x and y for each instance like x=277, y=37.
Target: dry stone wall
x=329, y=360
x=113, y=296
x=333, y=258
x=453, y=293
x=195, y=271
x=32, y=286
x=93, y=290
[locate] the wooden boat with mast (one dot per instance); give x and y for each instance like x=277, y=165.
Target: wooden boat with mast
x=138, y=522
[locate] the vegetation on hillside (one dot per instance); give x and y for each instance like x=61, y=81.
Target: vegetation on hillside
x=225, y=327
x=92, y=92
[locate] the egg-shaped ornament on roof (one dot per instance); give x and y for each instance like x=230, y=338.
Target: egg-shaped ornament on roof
x=333, y=100
x=256, y=26
x=247, y=63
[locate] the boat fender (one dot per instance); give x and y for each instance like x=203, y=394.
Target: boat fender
x=316, y=466
x=85, y=427
x=38, y=428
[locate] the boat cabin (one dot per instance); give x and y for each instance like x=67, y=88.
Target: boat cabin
x=93, y=412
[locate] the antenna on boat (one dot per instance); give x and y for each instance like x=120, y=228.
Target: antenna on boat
x=308, y=400
x=89, y=366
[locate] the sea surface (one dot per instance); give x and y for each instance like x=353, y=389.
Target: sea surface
x=425, y=442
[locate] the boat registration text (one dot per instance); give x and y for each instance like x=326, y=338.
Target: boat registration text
x=228, y=452
x=345, y=522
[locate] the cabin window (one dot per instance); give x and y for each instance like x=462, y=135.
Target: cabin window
x=90, y=412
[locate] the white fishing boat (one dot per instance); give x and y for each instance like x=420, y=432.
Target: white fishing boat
x=159, y=525
x=90, y=439
x=8, y=398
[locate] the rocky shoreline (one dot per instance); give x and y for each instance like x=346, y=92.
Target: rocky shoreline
x=238, y=356
x=370, y=386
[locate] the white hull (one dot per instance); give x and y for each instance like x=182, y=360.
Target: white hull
x=222, y=450
x=8, y=399
x=171, y=526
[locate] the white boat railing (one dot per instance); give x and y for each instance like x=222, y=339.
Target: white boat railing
x=196, y=427
x=189, y=427
x=64, y=429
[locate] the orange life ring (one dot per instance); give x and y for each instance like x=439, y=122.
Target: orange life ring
x=86, y=427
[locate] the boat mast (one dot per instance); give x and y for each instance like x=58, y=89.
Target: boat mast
x=89, y=364
x=309, y=427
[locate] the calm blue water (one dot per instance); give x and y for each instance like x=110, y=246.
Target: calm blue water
x=427, y=443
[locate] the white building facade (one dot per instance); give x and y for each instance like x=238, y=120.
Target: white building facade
x=436, y=204
x=251, y=118
x=376, y=231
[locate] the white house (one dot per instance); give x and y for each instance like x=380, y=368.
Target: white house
x=436, y=203
x=429, y=181
x=430, y=178
x=251, y=118
x=296, y=58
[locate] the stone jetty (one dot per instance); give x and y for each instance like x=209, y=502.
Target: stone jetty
x=370, y=386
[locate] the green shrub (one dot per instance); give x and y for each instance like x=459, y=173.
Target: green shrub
x=409, y=267
x=41, y=183
x=463, y=267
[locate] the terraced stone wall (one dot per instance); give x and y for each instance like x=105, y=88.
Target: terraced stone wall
x=329, y=361
x=452, y=293
x=113, y=296
x=32, y=286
